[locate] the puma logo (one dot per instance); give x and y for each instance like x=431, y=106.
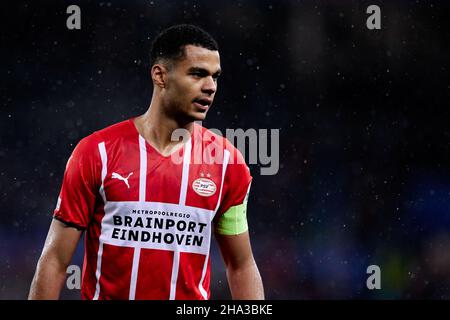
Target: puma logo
x=118, y=176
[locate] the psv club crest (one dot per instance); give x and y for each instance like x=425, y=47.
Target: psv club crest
x=204, y=187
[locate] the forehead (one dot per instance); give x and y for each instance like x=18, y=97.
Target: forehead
x=201, y=58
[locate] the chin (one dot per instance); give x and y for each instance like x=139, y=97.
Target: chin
x=198, y=116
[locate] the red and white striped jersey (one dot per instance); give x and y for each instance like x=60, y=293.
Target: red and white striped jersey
x=148, y=218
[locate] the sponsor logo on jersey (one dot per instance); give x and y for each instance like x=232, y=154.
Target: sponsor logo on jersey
x=204, y=187
x=118, y=176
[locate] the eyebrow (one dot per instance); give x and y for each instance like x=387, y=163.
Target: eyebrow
x=204, y=71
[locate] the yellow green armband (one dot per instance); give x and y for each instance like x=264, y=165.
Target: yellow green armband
x=234, y=221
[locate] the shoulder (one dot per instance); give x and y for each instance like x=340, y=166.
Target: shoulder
x=115, y=131
x=90, y=143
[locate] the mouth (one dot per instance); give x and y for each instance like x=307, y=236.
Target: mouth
x=203, y=103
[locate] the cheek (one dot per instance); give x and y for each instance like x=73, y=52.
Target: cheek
x=181, y=94
x=181, y=84
x=183, y=89
x=188, y=90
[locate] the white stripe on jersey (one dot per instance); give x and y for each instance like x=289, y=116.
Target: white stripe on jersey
x=185, y=175
x=134, y=272
x=142, y=194
x=226, y=158
x=143, y=169
x=104, y=157
x=182, y=202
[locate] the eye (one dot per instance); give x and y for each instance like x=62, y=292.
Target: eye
x=197, y=73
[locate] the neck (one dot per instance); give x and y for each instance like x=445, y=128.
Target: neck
x=156, y=126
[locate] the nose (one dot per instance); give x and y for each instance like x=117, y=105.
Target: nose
x=209, y=85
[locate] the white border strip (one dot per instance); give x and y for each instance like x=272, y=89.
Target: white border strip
x=142, y=193
x=97, y=272
x=200, y=285
x=143, y=169
x=226, y=158
x=182, y=202
x=104, y=157
x=174, y=278
x=185, y=175
x=134, y=272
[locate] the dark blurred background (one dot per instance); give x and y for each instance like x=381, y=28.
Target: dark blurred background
x=364, y=143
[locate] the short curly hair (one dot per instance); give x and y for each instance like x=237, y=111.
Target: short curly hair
x=170, y=43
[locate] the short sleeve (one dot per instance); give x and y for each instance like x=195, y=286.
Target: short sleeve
x=231, y=217
x=81, y=182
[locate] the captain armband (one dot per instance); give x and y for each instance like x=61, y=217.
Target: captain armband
x=234, y=220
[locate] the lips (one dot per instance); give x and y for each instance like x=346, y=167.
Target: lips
x=203, y=103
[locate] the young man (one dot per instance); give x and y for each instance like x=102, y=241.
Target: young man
x=149, y=203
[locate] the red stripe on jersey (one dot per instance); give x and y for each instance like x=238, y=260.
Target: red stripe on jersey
x=115, y=281
x=92, y=236
x=212, y=173
x=201, y=154
x=163, y=177
x=153, y=281
x=90, y=263
x=207, y=279
x=189, y=276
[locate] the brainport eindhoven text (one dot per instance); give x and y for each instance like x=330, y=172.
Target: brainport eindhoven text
x=164, y=230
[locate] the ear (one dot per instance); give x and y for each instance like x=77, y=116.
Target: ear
x=159, y=75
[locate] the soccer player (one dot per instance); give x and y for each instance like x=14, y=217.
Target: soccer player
x=148, y=203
